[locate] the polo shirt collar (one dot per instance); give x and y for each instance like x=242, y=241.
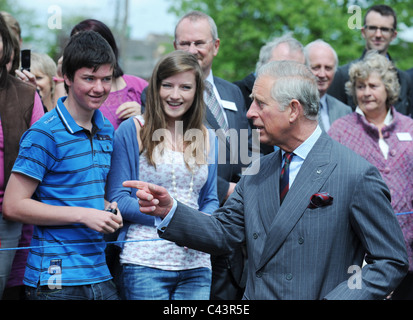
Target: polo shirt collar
x=70, y=123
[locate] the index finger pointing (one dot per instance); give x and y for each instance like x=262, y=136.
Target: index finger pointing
x=136, y=184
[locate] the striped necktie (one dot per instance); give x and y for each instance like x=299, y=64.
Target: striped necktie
x=213, y=105
x=284, y=179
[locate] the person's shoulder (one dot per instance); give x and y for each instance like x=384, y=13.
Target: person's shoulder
x=403, y=120
x=43, y=132
x=128, y=126
x=230, y=91
x=345, y=155
x=337, y=102
x=250, y=78
x=21, y=85
x=349, y=120
x=226, y=85
x=48, y=122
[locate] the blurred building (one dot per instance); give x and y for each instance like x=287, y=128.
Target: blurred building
x=140, y=56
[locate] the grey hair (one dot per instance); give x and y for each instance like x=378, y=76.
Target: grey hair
x=308, y=47
x=374, y=62
x=198, y=15
x=267, y=49
x=293, y=81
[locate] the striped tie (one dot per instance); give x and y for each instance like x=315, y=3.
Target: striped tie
x=213, y=105
x=285, y=172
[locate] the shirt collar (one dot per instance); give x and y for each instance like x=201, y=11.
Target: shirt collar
x=70, y=123
x=387, y=120
x=210, y=78
x=304, y=149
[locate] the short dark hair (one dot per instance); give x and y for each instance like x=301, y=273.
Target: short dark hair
x=105, y=32
x=384, y=11
x=86, y=49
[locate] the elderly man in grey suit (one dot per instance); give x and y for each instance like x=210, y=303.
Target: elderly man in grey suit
x=282, y=48
x=307, y=225
x=322, y=60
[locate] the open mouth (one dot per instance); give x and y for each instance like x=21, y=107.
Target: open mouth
x=259, y=128
x=174, y=105
x=96, y=98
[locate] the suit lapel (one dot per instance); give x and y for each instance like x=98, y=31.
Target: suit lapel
x=210, y=118
x=270, y=205
x=312, y=176
x=331, y=109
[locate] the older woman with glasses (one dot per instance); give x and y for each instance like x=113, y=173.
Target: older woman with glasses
x=384, y=137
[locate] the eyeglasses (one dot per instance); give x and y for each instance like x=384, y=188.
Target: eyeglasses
x=383, y=30
x=199, y=44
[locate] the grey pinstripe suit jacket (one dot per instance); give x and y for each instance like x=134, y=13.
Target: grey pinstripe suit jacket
x=299, y=253
x=336, y=109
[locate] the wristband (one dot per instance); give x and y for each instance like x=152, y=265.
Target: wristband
x=57, y=79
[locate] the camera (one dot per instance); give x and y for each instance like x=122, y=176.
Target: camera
x=114, y=211
x=25, y=59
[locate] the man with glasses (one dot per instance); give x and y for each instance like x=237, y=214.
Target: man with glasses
x=197, y=33
x=379, y=30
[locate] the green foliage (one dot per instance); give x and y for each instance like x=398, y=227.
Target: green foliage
x=245, y=25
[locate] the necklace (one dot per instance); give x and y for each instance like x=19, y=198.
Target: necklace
x=186, y=198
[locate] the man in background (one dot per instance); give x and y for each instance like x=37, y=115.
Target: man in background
x=379, y=30
x=323, y=62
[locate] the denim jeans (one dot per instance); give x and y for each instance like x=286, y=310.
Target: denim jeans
x=143, y=283
x=10, y=233
x=98, y=291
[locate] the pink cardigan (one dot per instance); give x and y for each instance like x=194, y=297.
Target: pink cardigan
x=132, y=92
x=362, y=137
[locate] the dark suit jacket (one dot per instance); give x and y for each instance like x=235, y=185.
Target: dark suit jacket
x=227, y=270
x=410, y=74
x=336, y=109
x=231, y=170
x=246, y=86
x=404, y=105
x=295, y=252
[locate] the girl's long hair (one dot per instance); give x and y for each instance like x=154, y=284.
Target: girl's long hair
x=155, y=118
x=7, y=51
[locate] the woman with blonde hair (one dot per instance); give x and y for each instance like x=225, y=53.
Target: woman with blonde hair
x=170, y=146
x=384, y=137
x=44, y=69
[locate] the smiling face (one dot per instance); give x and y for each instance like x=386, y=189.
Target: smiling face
x=195, y=37
x=372, y=95
x=322, y=64
x=89, y=88
x=177, y=93
x=44, y=84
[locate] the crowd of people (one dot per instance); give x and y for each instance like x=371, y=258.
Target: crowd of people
x=139, y=190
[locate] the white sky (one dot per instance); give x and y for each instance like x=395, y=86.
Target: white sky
x=146, y=16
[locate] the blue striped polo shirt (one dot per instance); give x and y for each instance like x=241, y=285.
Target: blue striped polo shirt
x=71, y=165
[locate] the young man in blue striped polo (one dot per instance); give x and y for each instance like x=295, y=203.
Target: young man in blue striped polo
x=58, y=181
